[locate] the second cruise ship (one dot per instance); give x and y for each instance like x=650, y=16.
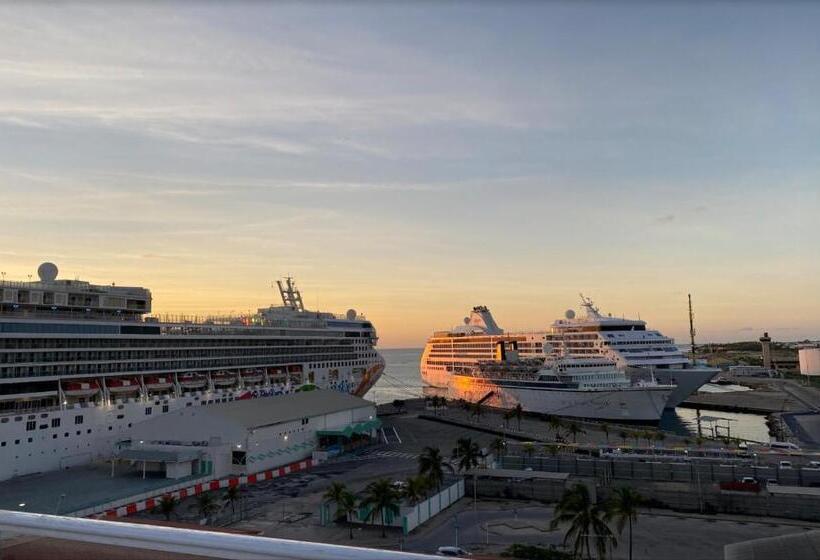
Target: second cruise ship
x=479, y=363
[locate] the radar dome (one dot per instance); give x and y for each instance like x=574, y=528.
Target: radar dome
x=351, y=314
x=569, y=314
x=47, y=272
x=466, y=320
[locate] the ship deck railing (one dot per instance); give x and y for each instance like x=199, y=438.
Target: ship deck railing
x=185, y=541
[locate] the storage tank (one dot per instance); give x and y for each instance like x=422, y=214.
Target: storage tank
x=809, y=360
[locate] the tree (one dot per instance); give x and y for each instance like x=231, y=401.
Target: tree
x=416, y=489
x=206, y=504
x=345, y=503
x=477, y=411
x=398, y=404
x=623, y=508
x=468, y=454
x=383, y=500
x=660, y=437
x=431, y=466
x=555, y=425
x=166, y=506
x=605, y=429
x=637, y=437
x=232, y=495
x=518, y=411
x=552, y=449
x=586, y=522
x=529, y=449
x=498, y=446
x=575, y=429
x=624, y=435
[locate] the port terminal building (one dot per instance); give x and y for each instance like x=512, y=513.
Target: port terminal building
x=247, y=436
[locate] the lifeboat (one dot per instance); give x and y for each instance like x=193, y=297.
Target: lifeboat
x=159, y=382
x=81, y=389
x=252, y=376
x=192, y=380
x=223, y=378
x=122, y=385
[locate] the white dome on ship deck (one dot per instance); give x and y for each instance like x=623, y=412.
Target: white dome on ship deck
x=569, y=314
x=47, y=272
x=351, y=314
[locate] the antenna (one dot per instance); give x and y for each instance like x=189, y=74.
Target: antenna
x=692, y=328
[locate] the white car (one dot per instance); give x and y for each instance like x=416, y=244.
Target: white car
x=452, y=551
x=785, y=464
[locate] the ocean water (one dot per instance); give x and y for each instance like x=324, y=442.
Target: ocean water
x=401, y=380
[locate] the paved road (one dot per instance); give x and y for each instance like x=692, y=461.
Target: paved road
x=657, y=535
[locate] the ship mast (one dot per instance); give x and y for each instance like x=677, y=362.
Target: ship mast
x=692, y=328
x=290, y=294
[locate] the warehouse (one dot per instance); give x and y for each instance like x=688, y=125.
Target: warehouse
x=249, y=436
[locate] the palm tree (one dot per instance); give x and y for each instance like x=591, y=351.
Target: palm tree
x=623, y=507
x=586, y=522
x=383, y=500
x=529, y=449
x=575, y=429
x=637, y=437
x=345, y=503
x=232, y=496
x=660, y=437
x=477, y=411
x=605, y=429
x=555, y=425
x=416, y=489
x=624, y=435
x=506, y=417
x=518, y=411
x=498, y=446
x=206, y=504
x=552, y=449
x=648, y=436
x=467, y=452
x=431, y=465
x=166, y=506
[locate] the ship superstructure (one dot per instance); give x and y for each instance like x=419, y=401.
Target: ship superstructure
x=81, y=363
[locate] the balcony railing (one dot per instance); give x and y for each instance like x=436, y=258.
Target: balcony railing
x=185, y=541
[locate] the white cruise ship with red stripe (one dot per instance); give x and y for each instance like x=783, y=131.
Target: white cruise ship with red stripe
x=80, y=364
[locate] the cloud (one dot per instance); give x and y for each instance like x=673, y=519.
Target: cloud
x=665, y=219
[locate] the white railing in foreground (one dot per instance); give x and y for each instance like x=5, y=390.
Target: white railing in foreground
x=185, y=541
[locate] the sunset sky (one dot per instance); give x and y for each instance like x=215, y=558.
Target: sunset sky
x=412, y=161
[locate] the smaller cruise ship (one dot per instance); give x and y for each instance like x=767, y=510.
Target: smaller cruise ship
x=478, y=362
x=641, y=353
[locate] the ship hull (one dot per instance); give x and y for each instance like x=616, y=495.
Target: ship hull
x=686, y=380
x=633, y=404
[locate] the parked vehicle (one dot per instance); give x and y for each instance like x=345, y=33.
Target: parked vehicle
x=452, y=551
x=785, y=464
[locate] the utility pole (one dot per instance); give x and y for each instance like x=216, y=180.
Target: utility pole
x=692, y=329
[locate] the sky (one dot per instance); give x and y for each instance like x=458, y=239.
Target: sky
x=414, y=160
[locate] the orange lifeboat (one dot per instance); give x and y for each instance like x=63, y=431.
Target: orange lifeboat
x=81, y=389
x=192, y=380
x=122, y=385
x=252, y=376
x=159, y=382
x=223, y=378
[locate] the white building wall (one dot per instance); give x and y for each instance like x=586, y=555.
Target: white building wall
x=809, y=361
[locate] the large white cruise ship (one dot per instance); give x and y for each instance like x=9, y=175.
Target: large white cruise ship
x=478, y=362
x=641, y=353
x=80, y=364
